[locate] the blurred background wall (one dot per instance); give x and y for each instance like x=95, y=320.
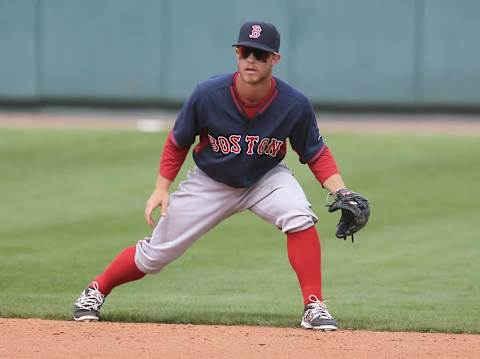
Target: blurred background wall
x=341, y=53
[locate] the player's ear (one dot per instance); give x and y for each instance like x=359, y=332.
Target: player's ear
x=276, y=58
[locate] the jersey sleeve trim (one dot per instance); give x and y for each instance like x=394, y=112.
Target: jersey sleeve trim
x=171, y=137
x=318, y=154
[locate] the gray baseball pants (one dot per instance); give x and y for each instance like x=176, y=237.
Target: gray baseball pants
x=201, y=203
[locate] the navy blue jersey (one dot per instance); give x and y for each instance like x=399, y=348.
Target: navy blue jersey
x=236, y=150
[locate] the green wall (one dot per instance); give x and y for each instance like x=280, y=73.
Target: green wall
x=18, y=50
x=341, y=52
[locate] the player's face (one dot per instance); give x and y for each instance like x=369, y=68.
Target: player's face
x=255, y=66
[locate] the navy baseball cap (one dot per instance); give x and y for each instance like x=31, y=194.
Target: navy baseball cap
x=259, y=35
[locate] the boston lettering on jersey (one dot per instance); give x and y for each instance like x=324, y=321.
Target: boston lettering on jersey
x=236, y=150
x=265, y=146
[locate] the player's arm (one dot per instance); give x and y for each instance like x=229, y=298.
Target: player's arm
x=325, y=169
x=307, y=141
x=175, y=151
x=172, y=159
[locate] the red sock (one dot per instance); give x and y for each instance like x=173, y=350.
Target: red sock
x=304, y=255
x=122, y=270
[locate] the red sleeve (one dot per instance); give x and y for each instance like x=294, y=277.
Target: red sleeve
x=172, y=159
x=323, y=165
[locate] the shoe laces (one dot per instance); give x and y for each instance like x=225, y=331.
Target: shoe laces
x=317, y=308
x=91, y=298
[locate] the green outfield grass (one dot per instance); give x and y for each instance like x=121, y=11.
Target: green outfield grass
x=71, y=200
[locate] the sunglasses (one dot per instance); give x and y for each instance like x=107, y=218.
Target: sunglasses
x=260, y=55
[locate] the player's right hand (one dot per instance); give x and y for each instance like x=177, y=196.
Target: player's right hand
x=159, y=198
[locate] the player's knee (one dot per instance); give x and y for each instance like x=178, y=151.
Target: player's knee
x=295, y=223
x=294, y=217
x=152, y=260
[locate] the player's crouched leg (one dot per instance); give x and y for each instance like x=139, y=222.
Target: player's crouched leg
x=287, y=208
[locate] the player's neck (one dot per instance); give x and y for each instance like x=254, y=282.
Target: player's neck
x=252, y=93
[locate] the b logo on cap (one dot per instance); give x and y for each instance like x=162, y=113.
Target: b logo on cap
x=256, y=30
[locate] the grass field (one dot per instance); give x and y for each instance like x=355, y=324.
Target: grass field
x=71, y=200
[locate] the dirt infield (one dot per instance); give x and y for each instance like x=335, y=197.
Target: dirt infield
x=34, y=338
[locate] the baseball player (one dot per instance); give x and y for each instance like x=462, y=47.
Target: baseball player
x=242, y=122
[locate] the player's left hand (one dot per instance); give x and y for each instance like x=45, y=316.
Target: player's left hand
x=159, y=198
x=355, y=212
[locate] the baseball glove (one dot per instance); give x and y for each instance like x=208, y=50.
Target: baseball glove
x=355, y=212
